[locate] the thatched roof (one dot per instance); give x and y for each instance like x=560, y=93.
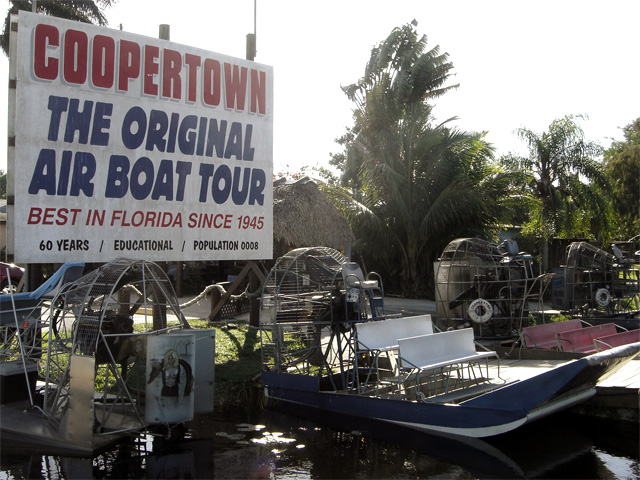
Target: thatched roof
x=304, y=217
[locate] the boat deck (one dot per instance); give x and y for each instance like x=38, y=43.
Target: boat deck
x=627, y=377
x=617, y=397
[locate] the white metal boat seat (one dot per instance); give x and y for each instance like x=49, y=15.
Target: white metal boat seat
x=371, y=289
x=26, y=302
x=354, y=278
x=381, y=337
x=431, y=360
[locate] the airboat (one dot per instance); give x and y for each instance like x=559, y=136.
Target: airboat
x=486, y=286
x=329, y=347
x=601, y=286
x=89, y=359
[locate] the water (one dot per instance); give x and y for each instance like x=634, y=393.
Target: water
x=281, y=446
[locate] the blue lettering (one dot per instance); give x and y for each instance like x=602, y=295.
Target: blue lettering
x=57, y=105
x=234, y=142
x=84, y=168
x=158, y=124
x=206, y=172
x=117, y=178
x=44, y=175
x=202, y=130
x=78, y=121
x=133, y=140
x=216, y=137
x=240, y=195
x=101, y=121
x=183, y=169
x=142, y=168
x=187, y=134
x=173, y=133
x=220, y=195
x=164, y=183
x=258, y=182
x=65, y=170
x=248, y=149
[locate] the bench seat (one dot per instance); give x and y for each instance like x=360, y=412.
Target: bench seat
x=441, y=349
x=581, y=340
x=431, y=355
x=383, y=335
x=544, y=335
x=617, y=339
x=445, y=362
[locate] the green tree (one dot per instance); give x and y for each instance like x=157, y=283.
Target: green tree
x=623, y=167
x=565, y=177
x=412, y=186
x=87, y=11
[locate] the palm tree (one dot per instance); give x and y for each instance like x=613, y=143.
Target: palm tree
x=413, y=186
x=622, y=161
x=87, y=11
x=564, y=175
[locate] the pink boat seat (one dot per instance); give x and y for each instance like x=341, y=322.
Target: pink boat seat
x=581, y=340
x=544, y=335
x=617, y=339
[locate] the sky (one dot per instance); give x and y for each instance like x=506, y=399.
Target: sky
x=519, y=63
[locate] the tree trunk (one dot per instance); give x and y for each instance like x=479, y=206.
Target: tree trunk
x=544, y=247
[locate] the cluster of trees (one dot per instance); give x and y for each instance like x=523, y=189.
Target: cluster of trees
x=87, y=11
x=410, y=185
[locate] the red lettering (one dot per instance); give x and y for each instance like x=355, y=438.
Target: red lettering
x=62, y=216
x=45, y=67
x=103, y=61
x=235, y=82
x=151, y=69
x=51, y=216
x=171, y=67
x=150, y=220
x=115, y=216
x=47, y=218
x=193, y=62
x=211, y=82
x=129, y=64
x=34, y=216
x=258, y=92
x=75, y=56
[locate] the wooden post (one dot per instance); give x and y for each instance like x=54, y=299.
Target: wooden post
x=215, y=299
x=124, y=299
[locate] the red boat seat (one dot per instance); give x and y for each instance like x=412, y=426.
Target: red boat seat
x=581, y=340
x=544, y=336
x=617, y=339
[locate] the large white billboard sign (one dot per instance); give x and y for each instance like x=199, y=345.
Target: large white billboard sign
x=130, y=146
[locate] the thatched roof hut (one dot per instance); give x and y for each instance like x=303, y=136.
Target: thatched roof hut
x=304, y=217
